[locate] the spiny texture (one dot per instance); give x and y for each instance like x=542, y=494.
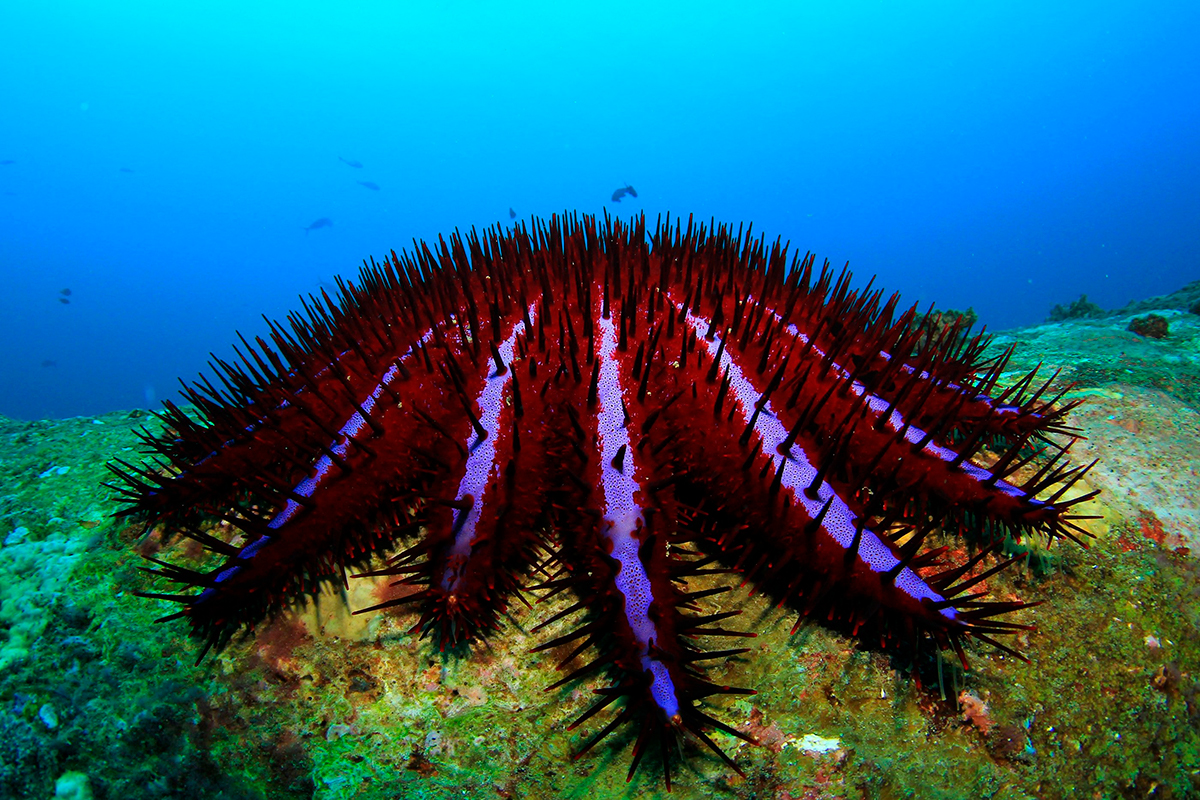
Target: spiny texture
x=615, y=414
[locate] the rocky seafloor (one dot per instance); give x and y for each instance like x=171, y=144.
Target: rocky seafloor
x=98, y=701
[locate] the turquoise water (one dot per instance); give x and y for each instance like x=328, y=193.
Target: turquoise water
x=164, y=162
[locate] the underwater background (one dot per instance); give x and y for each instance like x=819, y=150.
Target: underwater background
x=163, y=161
x=171, y=173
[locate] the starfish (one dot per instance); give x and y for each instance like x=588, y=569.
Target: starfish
x=579, y=407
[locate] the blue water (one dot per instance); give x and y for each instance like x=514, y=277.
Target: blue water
x=167, y=161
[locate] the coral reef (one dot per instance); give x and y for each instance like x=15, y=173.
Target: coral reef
x=1101, y=352
x=1184, y=299
x=325, y=705
x=1079, y=309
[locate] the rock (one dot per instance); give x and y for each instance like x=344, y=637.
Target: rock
x=48, y=716
x=72, y=786
x=1151, y=326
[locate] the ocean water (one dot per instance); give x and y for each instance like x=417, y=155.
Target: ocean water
x=170, y=174
x=163, y=161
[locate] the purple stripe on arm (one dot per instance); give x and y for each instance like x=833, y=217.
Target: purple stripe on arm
x=481, y=461
x=623, y=517
x=914, y=434
x=323, y=465
x=840, y=522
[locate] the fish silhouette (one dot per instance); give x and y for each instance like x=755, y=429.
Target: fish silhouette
x=624, y=190
x=65, y=292
x=6, y=162
x=323, y=222
x=512, y=214
x=125, y=169
x=49, y=363
x=355, y=164
x=64, y=301
x=374, y=187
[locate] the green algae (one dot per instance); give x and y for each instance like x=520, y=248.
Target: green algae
x=1098, y=353
x=126, y=700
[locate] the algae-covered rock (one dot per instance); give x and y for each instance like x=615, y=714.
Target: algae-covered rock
x=72, y=786
x=1151, y=326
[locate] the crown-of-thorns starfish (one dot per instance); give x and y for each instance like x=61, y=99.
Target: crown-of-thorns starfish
x=615, y=414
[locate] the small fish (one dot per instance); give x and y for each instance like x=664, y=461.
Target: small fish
x=624, y=190
x=124, y=169
x=323, y=222
x=6, y=162
x=374, y=187
x=49, y=363
x=64, y=301
x=512, y=214
x=65, y=292
x=355, y=164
